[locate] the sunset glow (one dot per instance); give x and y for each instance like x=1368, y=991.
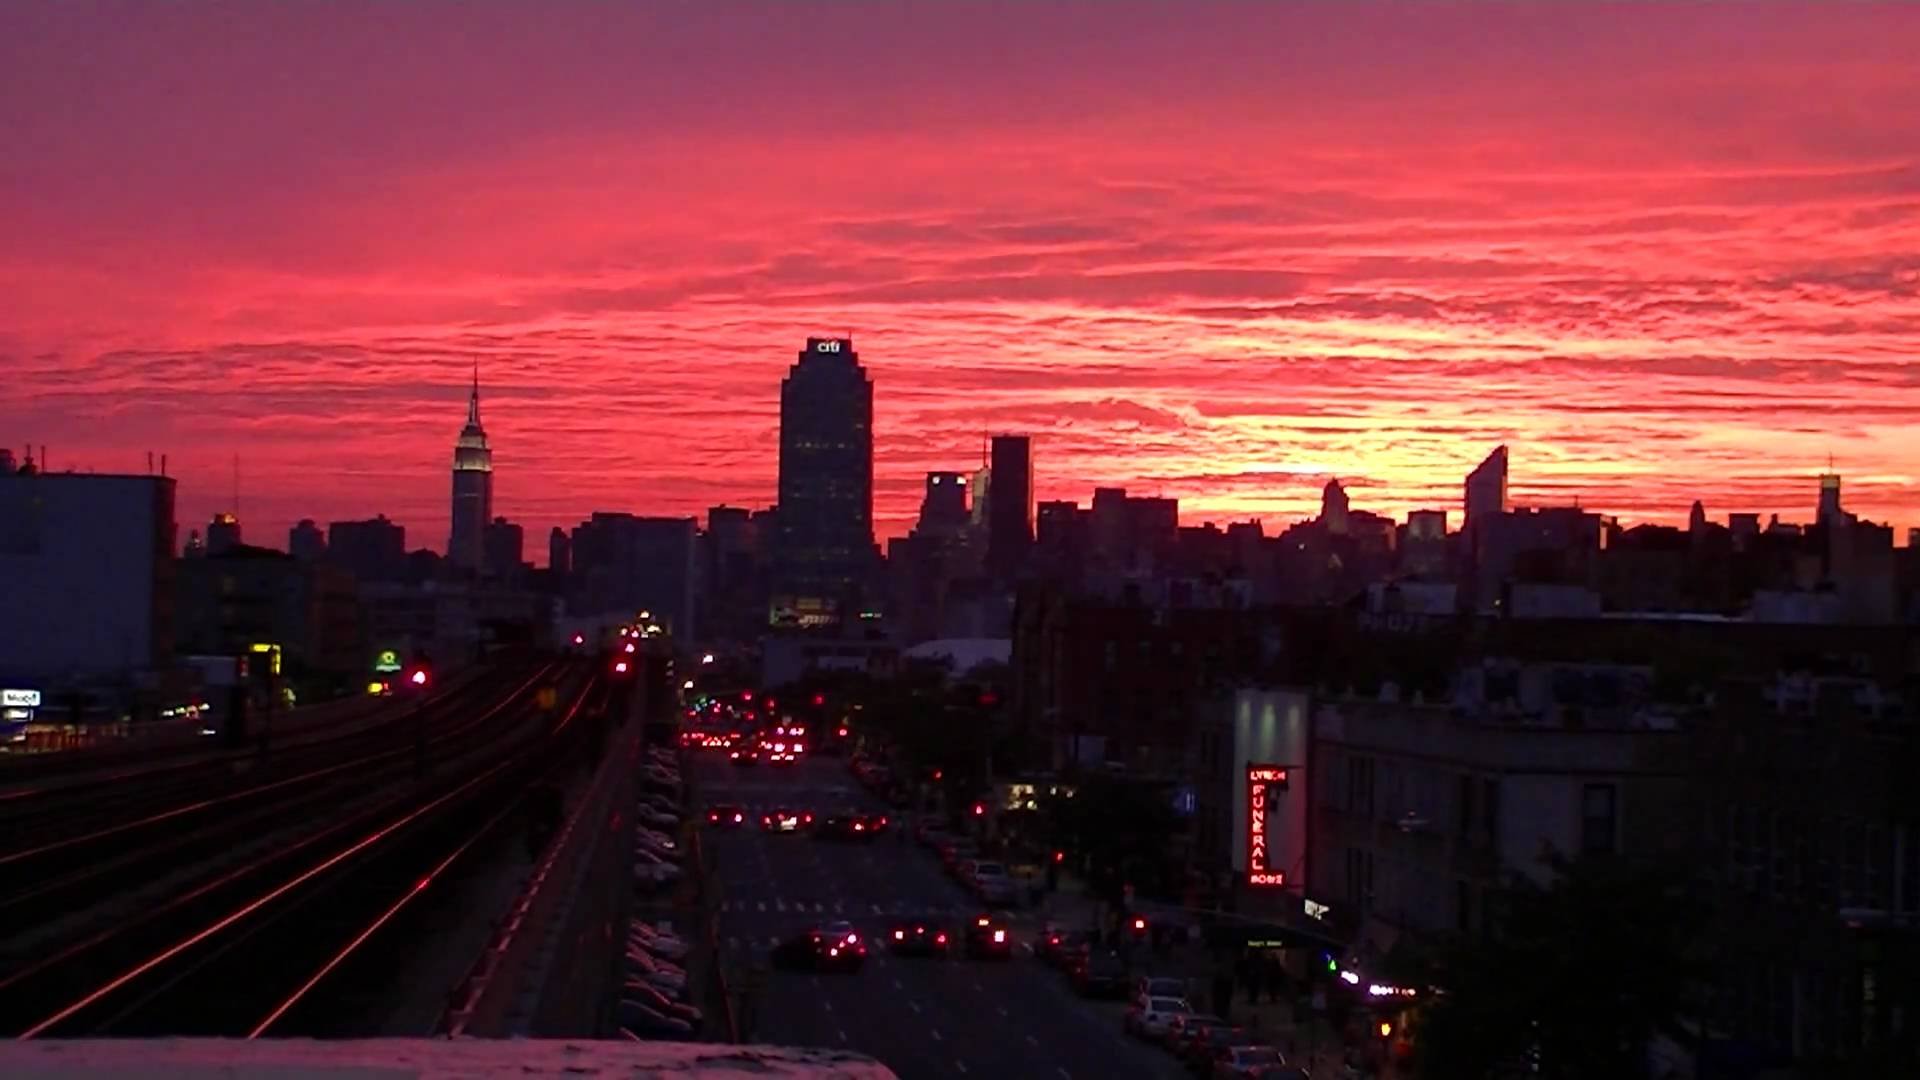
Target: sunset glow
x=1662, y=253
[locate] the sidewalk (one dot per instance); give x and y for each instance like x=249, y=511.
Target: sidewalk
x=1310, y=1043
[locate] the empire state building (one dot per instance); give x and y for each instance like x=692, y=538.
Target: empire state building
x=472, y=488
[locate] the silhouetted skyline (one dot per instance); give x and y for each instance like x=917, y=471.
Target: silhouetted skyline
x=1220, y=255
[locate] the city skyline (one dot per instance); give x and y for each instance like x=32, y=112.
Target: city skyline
x=1693, y=283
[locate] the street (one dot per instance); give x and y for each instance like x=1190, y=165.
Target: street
x=922, y=1017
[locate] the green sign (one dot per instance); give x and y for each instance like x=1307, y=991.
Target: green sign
x=389, y=661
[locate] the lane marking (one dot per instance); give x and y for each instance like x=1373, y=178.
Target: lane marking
x=897, y=986
x=914, y=1005
x=1062, y=1070
x=961, y=1065
x=763, y=905
x=936, y=1035
x=1031, y=1041
x=843, y=1037
x=827, y=1005
x=1003, y=1010
x=779, y=905
x=877, y=910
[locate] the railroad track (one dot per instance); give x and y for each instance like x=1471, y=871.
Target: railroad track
x=249, y=950
x=60, y=877
x=35, y=815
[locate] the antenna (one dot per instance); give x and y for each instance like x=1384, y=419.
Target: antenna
x=236, y=485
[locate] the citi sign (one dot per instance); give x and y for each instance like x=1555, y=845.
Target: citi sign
x=1263, y=783
x=827, y=346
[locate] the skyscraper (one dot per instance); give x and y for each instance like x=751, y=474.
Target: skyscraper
x=306, y=542
x=1487, y=489
x=1010, y=514
x=943, y=510
x=1333, y=507
x=472, y=489
x=505, y=548
x=223, y=534
x=824, y=553
x=1829, y=498
x=559, y=552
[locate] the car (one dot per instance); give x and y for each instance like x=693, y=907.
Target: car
x=919, y=938
x=648, y=846
x=663, y=947
x=1159, y=986
x=660, y=1002
x=744, y=755
x=638, y=1022
x=1238, y=1062
x=726, y=816
x=782, y=820
x=988, y=939
x=657, y=819
x=1201, y=1038
x=1152, y=1017
x=1102, y=975
x=849, y=826
x=835, y=947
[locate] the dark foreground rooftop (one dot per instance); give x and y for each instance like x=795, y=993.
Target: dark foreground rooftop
x=442, y=1059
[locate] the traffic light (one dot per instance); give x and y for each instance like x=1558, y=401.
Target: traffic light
x=418, y=678
x=1139, y=925
x=1059, y=856
x=1386, y=1030
x=979, y=809
x=819, y=699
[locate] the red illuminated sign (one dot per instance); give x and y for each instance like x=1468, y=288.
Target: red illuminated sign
x=1263, y=782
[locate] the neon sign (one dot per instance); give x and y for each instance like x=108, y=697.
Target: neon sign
x=826, y=346
x=1263, y=781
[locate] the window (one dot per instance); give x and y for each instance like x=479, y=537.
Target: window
x=1466, y=806
x=1490, y=811
x=1598, y=819
x=1360, y=786
x=1360, y=879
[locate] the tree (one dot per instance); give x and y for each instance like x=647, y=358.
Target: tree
x=1579, y=976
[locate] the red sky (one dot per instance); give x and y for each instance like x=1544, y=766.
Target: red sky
x=1212, y=252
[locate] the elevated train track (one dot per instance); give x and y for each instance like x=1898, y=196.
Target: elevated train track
x=253, y=944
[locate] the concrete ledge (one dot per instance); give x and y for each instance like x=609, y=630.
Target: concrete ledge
x=390, y=1059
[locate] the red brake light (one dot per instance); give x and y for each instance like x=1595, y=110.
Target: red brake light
x=853, y=939
x=843, y=733
x=738, y=818
x=899, y=935
x=999, y=936
x=919, y=929
x=981, y=921
x=941, y=938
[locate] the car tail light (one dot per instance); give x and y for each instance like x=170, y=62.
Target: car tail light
x=999, y=936
x=859, y=826
x=919, y=929
x=853, y=939
x=737, y=818
x=981, y=921
x=835, y=951
x=899, y=935
x=940, y=939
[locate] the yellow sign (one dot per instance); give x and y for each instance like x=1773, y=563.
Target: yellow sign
x=272, y=652
x=389, y=661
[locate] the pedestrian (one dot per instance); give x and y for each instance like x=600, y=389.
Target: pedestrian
x=1222, y=994
x=1256, y=978
x=1276, y=978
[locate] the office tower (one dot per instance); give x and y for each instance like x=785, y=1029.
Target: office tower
x=1487, y=489
x=223, y=534
x=374, y=550
x=1829, y=498
x=505, y=548
x=943, y=509
x=472, y=489
x=559, y=552
x=824, y=553
x=1333, y=507
x=1010, y=515
x=1697, y=517
x=306, y=542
